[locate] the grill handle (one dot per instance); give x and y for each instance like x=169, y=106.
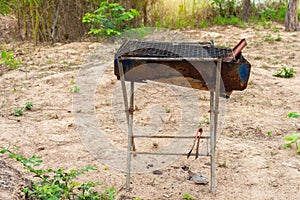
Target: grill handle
x=236, y=51
x=239, y=47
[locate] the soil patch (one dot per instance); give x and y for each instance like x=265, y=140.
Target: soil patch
x=250, y=164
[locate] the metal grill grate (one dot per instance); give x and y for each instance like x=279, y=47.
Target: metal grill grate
x=133, y=48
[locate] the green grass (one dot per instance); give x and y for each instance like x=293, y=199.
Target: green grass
x=269, y=39
x=258, y=58
x=218, y=20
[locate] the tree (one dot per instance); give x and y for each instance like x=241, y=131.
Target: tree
x=246, y=9
x=291, y=18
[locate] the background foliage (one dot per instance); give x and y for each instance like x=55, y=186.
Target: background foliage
x=61, y=20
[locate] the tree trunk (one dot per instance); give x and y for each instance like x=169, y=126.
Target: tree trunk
x=291, y=18
x=246, y=9
x=145, y=13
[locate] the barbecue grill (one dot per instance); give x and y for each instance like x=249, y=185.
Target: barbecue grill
x=196, y=62
x=201, y=64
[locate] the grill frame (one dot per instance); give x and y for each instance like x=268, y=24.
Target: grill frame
x=224, y=67
x=198, y=69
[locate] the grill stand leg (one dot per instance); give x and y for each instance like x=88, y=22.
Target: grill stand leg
x=129, y=117
x=212, y=151
x=130, y=144
x=214, y=108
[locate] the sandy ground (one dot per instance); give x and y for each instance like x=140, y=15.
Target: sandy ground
x=249, y=163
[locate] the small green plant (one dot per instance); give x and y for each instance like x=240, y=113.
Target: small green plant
x=294, y=115
x=293, y=139
x=13, y=90
x=29, y=105
x=18, y=112
x=3, y=102
x=206, y=120
x=269, y=39
x=223, y=165
x=187, y=196
x=168, y=110
x=75, y=89
x=58, y=184
x=275, y=29
x=200, y=125
x=266, y=25
x=7, y=59
x=278, y=38
x=285, y=72
x=109, y=19
x=269, y=133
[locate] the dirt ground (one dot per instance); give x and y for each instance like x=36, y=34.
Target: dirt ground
x=249, y=163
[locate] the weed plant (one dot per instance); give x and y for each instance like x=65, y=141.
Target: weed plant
x=8, y=60
x=50, y=184
x=20, y=111
x=75, y=89
x=28, y=105
x=285, y=72
x=293, y=138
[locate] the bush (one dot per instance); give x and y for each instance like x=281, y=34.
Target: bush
x=8, y=60
x=269, y=14
x=109, y=19
x=58, y=184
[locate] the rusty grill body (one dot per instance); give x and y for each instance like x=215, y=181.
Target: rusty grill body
x=194, y=62
x=191, y=64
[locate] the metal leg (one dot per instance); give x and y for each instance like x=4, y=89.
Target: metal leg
x=217, y=94
x=131, y=109
x=212, y=141
x=214, y=107
x=129, y=117
x=130, y=136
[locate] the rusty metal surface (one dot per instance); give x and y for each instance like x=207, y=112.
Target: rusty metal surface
x=184, y=64
x=133, y=48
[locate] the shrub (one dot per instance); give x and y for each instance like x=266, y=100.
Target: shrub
x=269, y=14
x=8, y=60
x=58, y=184
x=109, y=19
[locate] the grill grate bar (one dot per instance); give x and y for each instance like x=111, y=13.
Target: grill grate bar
x=172, y=50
